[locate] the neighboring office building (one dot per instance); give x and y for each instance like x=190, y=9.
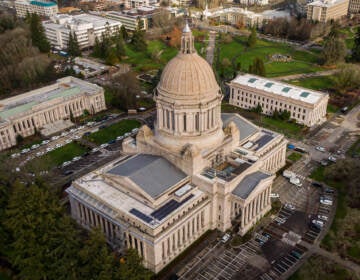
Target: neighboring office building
x=236, y=16
x=133, y=19
x=86, y=27
x=306, y=106
x=354, y=7
x=198, y=170
x=326, y=10
x=25, y=113
x=42, y=8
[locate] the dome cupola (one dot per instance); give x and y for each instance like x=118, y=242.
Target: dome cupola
x=188, y=100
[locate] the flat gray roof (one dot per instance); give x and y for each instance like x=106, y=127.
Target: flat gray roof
x=248, y=184
x=153, y=174
x=245, y=127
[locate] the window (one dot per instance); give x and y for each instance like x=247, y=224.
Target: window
x=197, y=122
x=185, y=122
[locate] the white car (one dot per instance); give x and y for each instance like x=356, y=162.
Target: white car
x=45, y=142
x=35, y=146
x=119, y=138
x=58, y=145
x=76, y=158
x=326, y=202
x=127, y=134
x=24, y=151
x=332, y=158
x=320, y=149
x=95, y=149
x=76, y=137
x=72, y=130
x=289, y=206
x=295, y=181
x=104, y=145
x=64, y=133
x=135, y=130
x=66, y=163
x=55, y=137
x=323, y=218
x=90, y=123
x=49, y=149
x=274, y=195
x=81, y=127
x=15, y=155
x=225, y=238
x=39, y=154
x=318, y=222
x=67, y=141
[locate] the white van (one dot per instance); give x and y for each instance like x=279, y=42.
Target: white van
x=288, y=174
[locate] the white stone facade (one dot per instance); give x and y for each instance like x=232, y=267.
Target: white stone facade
x=28, y=112
x=196, y=171
x=306, y=106
x=326, y=10
x=42, y=8
x=86, y=27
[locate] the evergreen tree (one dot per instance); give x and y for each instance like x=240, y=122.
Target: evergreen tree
x=43, y=243
x=138, y=40
x=132, y=269
x=257, y=67
x=97, y=48
x=356, y=48
x=38, y=36
x=111, y=56
x=334, y=50
x=96, y=261
x=252, y=38
x=124, y=33
x=120, y=47
x=73, y=45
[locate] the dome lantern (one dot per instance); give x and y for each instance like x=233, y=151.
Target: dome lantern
x=187, y=41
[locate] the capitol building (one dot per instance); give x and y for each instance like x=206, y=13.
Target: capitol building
x=198, y=170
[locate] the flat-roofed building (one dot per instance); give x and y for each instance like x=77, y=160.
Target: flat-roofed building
x=198, y=170
x=42, y=8
x=29, y=112
x=325, y=10
x=86, y=27
x=307, y=107
x=354, y=7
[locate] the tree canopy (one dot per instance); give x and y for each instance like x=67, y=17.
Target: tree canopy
x=251, y=42
x=334, y=50
x=355, y=52
x=257, y=67
x=38, y=36
x=73, y=45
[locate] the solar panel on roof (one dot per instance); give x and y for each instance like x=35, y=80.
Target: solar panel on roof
x=252, y=80
x=140, y=215
x=286, y=89
x=169, y=207
x=269, y=85
x=304, y=94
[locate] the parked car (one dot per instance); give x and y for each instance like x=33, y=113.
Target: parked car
x=56, y=137
x=318, y=222
x=225, y=238
x=288, y=174
x=104, y=145
x=66, y=163
x=24, y=151
x=326, y=201
x=320, y=148
x=127, y=134
x=332, y=158
x=295, y=181
x=76, y=159
x=15, y=155
x=45, y=142
x=68, y=172
x=323, y=217
x=324, y=162
x=119, y=138
x=300, y=150
x=274, y=195
x=289, y=206
x=290, y=146
x=329, y=190
x=35, y=146
x=317, y=184
x=112, y=141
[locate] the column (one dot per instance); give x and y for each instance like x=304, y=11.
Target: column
x=242, y=217
x=268, y=197
x=258, y=204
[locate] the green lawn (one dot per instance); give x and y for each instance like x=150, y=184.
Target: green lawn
x=315, y=83
x=319, y=268
x=290, y=129
x=143, y=60
x=57, y=157
x=294, y=157
x=111, y=132
x=237, y=51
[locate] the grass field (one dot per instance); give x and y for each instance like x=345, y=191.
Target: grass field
x=238, y=52
x=143, y=61
x=290, y=129
x=319, y=268
x=294, y=157
x=111, y=132
x=57, y=157
x=342, y=236
x=315, y=83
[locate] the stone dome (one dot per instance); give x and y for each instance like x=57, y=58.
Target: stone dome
x=188, y=75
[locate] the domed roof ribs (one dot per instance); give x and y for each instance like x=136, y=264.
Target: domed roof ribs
x=187, y=41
